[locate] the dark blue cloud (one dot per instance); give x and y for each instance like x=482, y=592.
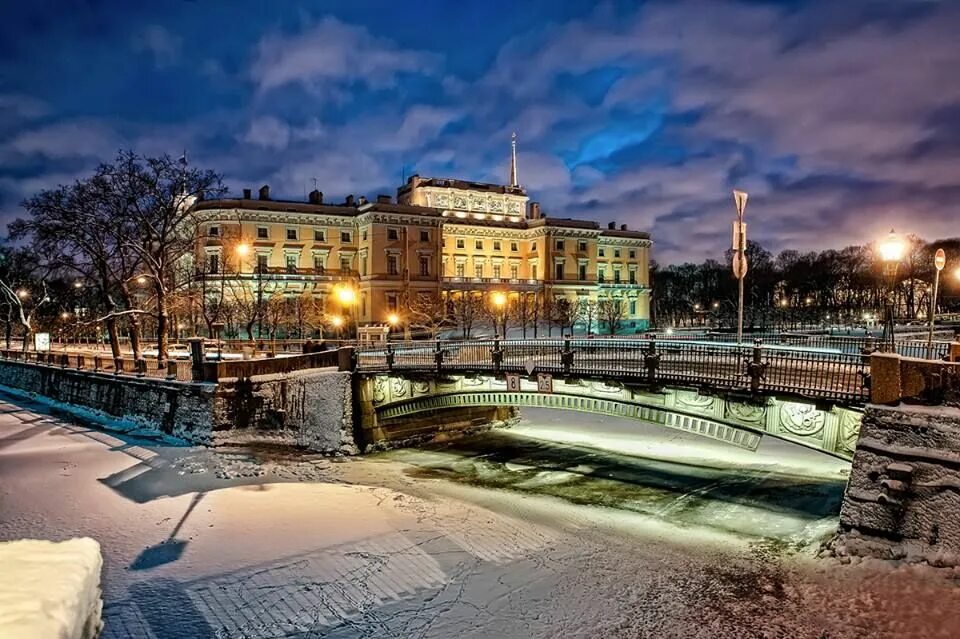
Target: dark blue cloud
x=838, y=117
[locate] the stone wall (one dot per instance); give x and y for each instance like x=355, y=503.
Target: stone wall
x=180, y=409
x=310, y=408
x=905, y=483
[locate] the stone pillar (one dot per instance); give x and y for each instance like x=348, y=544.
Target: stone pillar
x=904, y=487
x=196, y=357
x=345, y=358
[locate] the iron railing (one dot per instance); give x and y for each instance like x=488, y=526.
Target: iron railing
x=818, y=374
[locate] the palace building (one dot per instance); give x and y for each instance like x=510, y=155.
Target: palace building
x=438, y=239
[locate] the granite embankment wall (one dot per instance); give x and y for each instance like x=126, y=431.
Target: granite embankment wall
x=181, y=409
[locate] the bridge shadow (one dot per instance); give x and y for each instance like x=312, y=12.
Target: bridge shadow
x=590, y=476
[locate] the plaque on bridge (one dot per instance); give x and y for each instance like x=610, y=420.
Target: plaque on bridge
x=530, y=365
x=513, y=383
x=544, y=383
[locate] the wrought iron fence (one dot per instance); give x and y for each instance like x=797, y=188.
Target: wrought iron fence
x=821, y=374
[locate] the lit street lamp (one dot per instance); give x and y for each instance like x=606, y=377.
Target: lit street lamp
x=499, y=300
x=891, y=252
x=347, y=298
x=939, y=261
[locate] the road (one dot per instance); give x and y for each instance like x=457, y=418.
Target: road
x=555, y=528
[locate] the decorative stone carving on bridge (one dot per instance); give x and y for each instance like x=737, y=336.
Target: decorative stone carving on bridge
x=693, y=399
x=380, y=383
x=801, y=419
x=849, y=432
x=747, y=413
x=399, y=389
x=604, y=387
x=421, y=387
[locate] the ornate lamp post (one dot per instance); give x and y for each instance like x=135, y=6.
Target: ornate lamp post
x=347, y=298
x=891, y=252
x=939, y=261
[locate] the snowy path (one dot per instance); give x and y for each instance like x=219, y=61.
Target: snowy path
x=453, y=542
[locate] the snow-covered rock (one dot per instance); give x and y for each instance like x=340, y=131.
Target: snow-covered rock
x=50, y=590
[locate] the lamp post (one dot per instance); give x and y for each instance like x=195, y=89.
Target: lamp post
x=347, y=298
x=740, y=255
x=337, y=322
x=393, y=320
x=939, y=261
x=891, y=252
x=499, y=301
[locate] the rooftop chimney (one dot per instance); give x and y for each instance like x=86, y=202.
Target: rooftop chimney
x=623, y=227
x=316, y=197
x=246, y=194
x=383, y=199
x=349, y=201
x=361, y=200
x=265, y=192
x=534, y=210
x=612, y=226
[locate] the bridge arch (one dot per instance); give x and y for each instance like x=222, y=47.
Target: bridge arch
x=394, y=402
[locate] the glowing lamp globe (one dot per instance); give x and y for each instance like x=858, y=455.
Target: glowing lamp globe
x=891, y=249
x=499, y=299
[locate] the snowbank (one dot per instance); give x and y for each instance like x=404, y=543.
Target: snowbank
x=50, y=590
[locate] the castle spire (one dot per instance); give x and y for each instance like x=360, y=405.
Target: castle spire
x=513, y=161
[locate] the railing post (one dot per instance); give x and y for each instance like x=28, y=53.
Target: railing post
x=756, y=367
x=390, y=357
x=97, y=363
x=496, y=355
x=196, y=358
x=64, y=360
x=117, y=365
x=141, y=367
x=566, y=357
x=80, y=362
x=651, y=360
x=171, y=369
x=438, y=356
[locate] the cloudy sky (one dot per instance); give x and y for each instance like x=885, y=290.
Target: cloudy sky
x=841, y=119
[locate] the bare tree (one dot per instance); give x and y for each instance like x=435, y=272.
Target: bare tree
x=611, y=311
x=467, y=308
x=429, y=312
x=23, y=287
x=587, y=310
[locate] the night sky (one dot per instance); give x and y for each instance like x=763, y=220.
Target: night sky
x=840, y=118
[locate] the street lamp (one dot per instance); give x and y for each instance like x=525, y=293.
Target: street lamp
x=939, y=261
x=891, y=252
x=347, y=298
x=740, y=255
x=337, y=322
x=23, y=293
x=499, y=300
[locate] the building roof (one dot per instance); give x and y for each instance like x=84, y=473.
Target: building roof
x=276, y=205
x=453, y=183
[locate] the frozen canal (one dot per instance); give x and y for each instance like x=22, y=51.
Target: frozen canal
x=567, y=525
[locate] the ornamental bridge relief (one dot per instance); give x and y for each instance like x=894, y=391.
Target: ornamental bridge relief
x=393, y=408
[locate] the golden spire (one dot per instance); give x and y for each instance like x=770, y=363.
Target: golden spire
x=513, y=161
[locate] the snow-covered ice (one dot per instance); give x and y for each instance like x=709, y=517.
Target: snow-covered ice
x=50, y=590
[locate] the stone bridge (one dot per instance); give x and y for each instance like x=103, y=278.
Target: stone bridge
x=398, y=407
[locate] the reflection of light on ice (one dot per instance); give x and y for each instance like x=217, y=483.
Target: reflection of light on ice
x=634, y=438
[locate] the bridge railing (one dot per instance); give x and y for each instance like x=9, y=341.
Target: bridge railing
x=821, y=374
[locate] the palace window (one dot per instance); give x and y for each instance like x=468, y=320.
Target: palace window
x=263, y=233
x=633, y=254
x=262, y=259
x=582, y=272
x=393, y=234
x=318, y=264
x=582, y=246
x=319, y=235
x=533, y=271
x=424, y=265
x=392, y=302
x=633, y=307
x=616, y=276
x=213, y=263
x=478, y=245
x=601, y=274
x=363, y=265
x=600, y=252
x=290, y=259
x=616, y=252
x=496, y=271
x=461, y=269
x=633, y=276
x=392, y=265
x=291, y=234
x=558, y=267
x=344, y=264
x=424, y=236
x=496, y=245
x=514, y=271
x=346, y=237
x=213, y=231
x=460, y=243
x=514, y=247
x=363, y=235
x=478, y=271
x=559, y=245
x=533, y=247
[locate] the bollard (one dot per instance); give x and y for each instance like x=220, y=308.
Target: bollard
x=496, y=354
x=566, y=357
x=756, y=367
x=97, y=363
x=651, y=360
x=171, y=369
